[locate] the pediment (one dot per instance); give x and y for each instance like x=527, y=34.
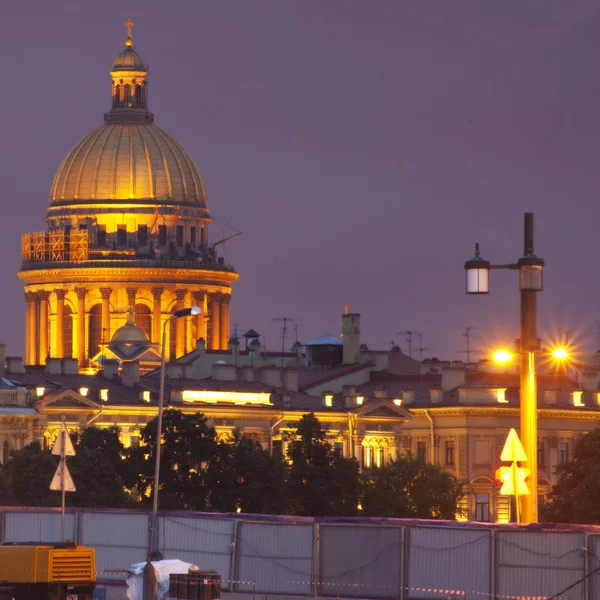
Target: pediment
x=66, y=398
x=384, y=408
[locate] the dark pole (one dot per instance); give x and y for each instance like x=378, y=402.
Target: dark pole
x=529, y=512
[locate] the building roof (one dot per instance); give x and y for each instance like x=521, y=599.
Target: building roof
x=325, y=340
x=129, y=60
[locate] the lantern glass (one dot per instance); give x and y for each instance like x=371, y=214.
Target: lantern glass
x=478, y=280
x=531, y=278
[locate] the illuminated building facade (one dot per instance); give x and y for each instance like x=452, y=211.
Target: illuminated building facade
x=127, y=229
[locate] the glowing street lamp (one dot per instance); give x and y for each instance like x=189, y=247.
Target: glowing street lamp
x=530, y=269
x=178, y=314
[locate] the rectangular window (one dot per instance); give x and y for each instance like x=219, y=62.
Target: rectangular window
x=338, y=449
x=134, y=441
x=541, y=456
x=121, y=235
x=203, y=235
x=179, y=235
x=563, y=453
x=277, y=448
x=142, y=235
x=162, y=235
x=101, y=236
x=450, y=452
x=482, y=507
x=366, y=457
x=381, y=462
x=193, y=236
x=422, y=450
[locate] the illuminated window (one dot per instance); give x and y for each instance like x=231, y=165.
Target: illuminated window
x=143, y=319
x=95, y=330
x=360, y=400
x=398, y=401
x=563, y=453
x=482, y=507
x=142, y=235
x=450, y=452
x=501, y=395
x=40, y=391
x=328, y=400
x=541, y=456
x=104, y=395
x=83, y=391
x=121, y=235
x=577, y=398
x=145, y=395
x=366, y=457
x=421, y=450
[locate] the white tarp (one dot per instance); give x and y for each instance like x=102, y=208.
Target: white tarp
x=162, y=568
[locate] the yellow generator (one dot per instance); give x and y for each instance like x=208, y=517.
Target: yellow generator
x=39, y=571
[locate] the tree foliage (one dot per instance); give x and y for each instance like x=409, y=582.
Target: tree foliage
x=411, y=488
x=320, y=482
x=574, y=498
x=242, y=475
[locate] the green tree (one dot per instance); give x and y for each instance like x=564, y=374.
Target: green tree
x=574, y=498
x=320, y=482
x=241, y=474
x=411, y=488
x=188, y=444
x=25, y=478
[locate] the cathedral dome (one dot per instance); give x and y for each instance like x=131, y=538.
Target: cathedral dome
x=129, y=59
x=128, y=160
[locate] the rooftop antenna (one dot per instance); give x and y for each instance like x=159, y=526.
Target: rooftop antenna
x=235, y=337
x=420, y=348
x=284, y=327
x=296, y=332
x=467, y=336
x=409, y=337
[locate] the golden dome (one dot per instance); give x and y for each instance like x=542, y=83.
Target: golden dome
x=128, y=160
x=130, y=333
x=129, y=59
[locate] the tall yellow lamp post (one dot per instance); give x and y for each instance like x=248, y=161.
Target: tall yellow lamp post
x=530, y=269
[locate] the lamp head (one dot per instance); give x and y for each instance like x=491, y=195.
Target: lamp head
x=186, y=312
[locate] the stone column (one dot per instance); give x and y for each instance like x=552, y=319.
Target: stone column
x=201, y=318
x=43, y=335
x=180, y=325
x=224, y=320
x=32, y=341
x=106, y=292
x=81, y=350
x=30, y=333
x=60, y=323
x=156, y=315
x=215, y=327
x=131, y=293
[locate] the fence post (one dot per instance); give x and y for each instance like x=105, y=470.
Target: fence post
x=316, y=562
x=404, y=560
x=493, y=563
x=233, y=565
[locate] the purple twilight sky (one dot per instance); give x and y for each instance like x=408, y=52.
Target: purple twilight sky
x=361, y=146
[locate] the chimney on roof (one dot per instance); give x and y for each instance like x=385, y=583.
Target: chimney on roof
x=247, y=373
x=130, y=373
x=436, y=395
x=69, y=366
x=200, y=346
x=224, y=372
x=2, y=360
x=453, y=377
x=14, y=365
x=408, y=396
x=290, y=380
x=271, y=376
x=234, y=349
x=52, y=366
x=110, y=368
x=589, y=380
x=351, y=338
x=380, y=394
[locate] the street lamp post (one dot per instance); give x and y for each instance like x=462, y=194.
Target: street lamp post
x=530, y=269
x=184, y=312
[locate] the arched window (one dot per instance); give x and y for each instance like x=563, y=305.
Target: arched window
x=138, y=96
x=143, y=319
x=127, y=94
x=117, y=98
x=68, y=332
x=4, y=452
x=95, y=330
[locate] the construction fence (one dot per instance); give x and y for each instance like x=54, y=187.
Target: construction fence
x=349, y=558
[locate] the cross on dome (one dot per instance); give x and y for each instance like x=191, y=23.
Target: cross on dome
x=129, y=24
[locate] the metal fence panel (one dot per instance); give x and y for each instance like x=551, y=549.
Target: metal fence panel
x=120, y=540
x=363, y=561
x=539, y=563
x=39, y=526
x=278, y=556
x=594, y=555
x=206, y=543
x=449, y=559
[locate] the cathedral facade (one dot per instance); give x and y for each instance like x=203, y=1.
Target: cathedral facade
x=127, y=232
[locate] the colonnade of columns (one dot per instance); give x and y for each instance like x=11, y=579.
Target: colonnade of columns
x=215, y=314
